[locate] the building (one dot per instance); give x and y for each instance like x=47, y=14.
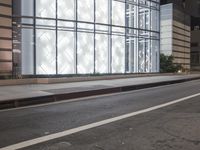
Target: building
x=84, y=36
x=5, y=37
x=193, y=8
x=195, y=44
x=175, y=34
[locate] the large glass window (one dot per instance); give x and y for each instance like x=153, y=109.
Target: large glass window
x=87, y=36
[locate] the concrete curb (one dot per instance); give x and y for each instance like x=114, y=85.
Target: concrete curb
x=76, y=79
x=7, y=104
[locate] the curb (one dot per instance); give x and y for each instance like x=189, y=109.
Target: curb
x=8, y=104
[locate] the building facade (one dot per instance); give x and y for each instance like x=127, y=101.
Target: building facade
x=193, y=7
x=6, y=37
x=195, y=44
x=176, y=34
x=85, y=36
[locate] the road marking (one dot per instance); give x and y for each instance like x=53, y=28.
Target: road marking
x=92, y=125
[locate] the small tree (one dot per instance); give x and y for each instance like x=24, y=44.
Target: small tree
x=167, y=65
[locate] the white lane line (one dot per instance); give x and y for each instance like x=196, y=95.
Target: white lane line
x=92, y=125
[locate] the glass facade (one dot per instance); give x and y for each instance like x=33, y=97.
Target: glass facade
x=86, y=36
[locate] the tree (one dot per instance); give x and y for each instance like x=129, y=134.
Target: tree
x=167, y=65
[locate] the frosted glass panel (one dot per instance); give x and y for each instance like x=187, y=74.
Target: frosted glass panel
x=46, y=8
x=86, y=10
x=118, y=14
x=118, y=54
x=66, y=9
x=45, y=52
x=101, y=53
x=85, y=53
x=66, y=53
x=102, y=11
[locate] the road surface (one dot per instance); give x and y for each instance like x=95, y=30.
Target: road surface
x=160, y=118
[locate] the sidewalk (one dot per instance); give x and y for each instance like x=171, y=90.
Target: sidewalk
x=23, y=95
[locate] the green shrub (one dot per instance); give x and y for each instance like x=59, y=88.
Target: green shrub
x=167, y=65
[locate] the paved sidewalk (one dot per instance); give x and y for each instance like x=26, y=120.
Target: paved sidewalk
x=54, y=92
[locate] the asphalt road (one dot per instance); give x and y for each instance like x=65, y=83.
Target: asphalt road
x=173, y=127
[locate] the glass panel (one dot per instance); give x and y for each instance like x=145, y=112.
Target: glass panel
x=154, y=20
x=101, y=53
x=27, y=51
x=66, y=52
x=118, y=54
x=155, y=55
x=131, y=54
x=118, y=13
x=102, y=11
x=144, y=20
x=45, y=52
x=66, y=9
x=86, y=10
x=46, y=8
x=141, y=55
x=85, y=52
x=148, y=55
x=131, y=16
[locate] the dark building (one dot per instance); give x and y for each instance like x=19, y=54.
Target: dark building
x=178, y=2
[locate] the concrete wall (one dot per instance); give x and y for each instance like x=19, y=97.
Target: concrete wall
x=5, y=37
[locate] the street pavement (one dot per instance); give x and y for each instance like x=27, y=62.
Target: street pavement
x=173, y=127
x=18, y=92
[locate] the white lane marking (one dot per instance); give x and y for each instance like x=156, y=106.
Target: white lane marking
x=92, y=125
